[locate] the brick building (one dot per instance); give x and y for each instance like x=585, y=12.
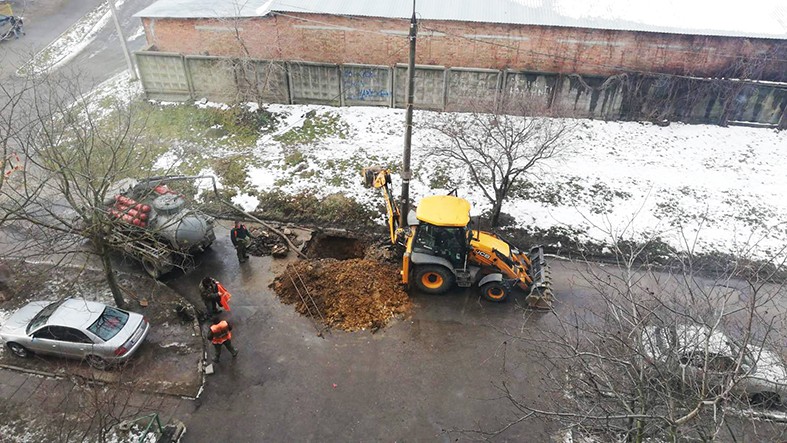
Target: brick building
x=493, y=34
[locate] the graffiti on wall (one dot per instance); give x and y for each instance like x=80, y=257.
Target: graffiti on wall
x=366, y=84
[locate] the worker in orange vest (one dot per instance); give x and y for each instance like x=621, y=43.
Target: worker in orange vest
x=221, y=334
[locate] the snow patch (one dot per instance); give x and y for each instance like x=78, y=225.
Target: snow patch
x=246, y=201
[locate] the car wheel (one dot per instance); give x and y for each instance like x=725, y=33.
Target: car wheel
x=766, y=399
x=19, y=350
x=97, y=362
x=494, y=291
x=433, y=279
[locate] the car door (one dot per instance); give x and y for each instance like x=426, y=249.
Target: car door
x=44, y=341
x=73, y=342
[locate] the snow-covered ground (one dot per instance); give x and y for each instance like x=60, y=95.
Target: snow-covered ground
x=710, y=187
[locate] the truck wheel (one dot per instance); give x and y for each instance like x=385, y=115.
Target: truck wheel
x=151, y=268
x=433, y=279
x=767, y=400
x=494, y=291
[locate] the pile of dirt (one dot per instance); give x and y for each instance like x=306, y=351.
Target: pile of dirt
x=351, y=294
x=267, y=243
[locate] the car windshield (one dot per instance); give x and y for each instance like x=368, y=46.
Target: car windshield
x=41, y=318
x=109, y=323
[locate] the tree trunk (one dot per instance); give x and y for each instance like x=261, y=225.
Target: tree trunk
x=496, y=209
x=109, y=274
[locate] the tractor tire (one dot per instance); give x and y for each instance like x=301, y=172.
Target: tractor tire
x=433, y=279
x=495, y=291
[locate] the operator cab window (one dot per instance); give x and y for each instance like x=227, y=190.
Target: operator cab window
x=448, y=243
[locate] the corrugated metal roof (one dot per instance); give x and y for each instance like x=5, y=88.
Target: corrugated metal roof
x=765, y=20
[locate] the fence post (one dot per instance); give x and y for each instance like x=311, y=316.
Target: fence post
x=341, y=84
x=189, y=80
x=289, y=81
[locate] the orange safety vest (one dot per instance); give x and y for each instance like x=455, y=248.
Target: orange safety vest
x=220, y=332
x=224, y=297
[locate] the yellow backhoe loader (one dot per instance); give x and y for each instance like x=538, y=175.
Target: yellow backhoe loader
x=442, y=250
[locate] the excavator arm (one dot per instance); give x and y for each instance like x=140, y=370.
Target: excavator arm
x=380, y=178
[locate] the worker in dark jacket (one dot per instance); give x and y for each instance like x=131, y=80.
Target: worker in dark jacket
x=221, y=335
x=209, y=292
x=240, y=239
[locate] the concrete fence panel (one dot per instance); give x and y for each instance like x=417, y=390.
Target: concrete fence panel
x=429, y=87
x=367, y=85
x=472, y=89
x=589, y=97
x=314, y=83
x=759, y=104
x=528, y=91
x=213, y=78
x=163, y=76
x=262, y=80
x=168, y=76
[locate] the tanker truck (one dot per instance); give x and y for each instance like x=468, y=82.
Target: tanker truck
x=154, y=224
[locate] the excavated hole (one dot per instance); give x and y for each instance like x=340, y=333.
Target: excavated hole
x=335, y=246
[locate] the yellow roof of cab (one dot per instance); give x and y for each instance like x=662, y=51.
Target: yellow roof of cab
x=444, y=210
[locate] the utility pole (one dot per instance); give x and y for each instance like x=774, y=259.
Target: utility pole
x=408, y=130
x=130, y=64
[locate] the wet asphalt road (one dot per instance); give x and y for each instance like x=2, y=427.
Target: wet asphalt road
x=422, y=378
x=45, y=20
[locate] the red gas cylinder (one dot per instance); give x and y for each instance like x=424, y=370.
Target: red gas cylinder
x=145, y=208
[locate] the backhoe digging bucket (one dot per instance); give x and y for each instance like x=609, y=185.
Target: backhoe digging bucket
x=540, y=296
x=372, y=177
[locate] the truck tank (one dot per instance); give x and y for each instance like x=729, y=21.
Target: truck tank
x=156, y=224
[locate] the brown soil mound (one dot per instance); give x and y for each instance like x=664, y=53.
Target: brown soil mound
x=350, y=294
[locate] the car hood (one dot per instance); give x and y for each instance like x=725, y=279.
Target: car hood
x=17, y=322
x=769, y=366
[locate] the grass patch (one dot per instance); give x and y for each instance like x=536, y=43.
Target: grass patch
x=334, y=210
x=233, y=127
x=315, y=128
x=598, y=195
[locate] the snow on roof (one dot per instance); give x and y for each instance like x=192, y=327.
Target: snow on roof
x=756, y=18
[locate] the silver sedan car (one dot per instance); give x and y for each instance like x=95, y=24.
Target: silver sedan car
x=701, y=353
x=74, y=328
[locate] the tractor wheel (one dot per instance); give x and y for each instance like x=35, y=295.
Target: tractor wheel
x=433, y=279
x=494, y=291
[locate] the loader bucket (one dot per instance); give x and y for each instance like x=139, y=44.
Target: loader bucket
x=540, y=296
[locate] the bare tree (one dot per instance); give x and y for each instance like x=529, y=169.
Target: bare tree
x=75, y=151
x=674, y=354
x=499, y=149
